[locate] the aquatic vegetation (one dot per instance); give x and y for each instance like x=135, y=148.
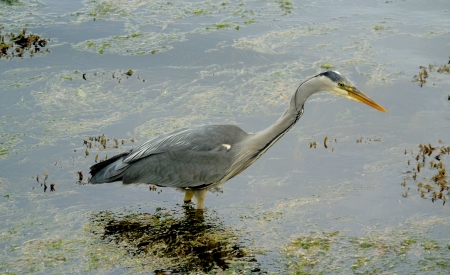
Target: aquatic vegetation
x=435, y=187
x=397, y=249
x=281, y=42
x=144, y=43
x=221, y=26
x=44, y=183
x=425, y=71
x=166, y=240
x=145, y=14
x=10, y=2
x=8, y=142
x=285, y=5
x=21, y=45
x=326, y=66
x=368, y=140
x=24, y=14
x=68, y=93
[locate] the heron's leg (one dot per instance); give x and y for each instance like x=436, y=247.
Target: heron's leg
x=200, y=198
x=188, y=196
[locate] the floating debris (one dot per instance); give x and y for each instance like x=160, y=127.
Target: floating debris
x=325, y=142
x=421, y=77
x=369, y=140
x=436, y=183
x=52, y=187
x=116, y=75
x=129, y=72
x=81, y=177
x=424, y=73
x=21, y=45
x=101, y=142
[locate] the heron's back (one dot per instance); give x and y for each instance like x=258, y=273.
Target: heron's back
x=186, y=158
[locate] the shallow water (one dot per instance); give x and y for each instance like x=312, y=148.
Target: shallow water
x=229, y=62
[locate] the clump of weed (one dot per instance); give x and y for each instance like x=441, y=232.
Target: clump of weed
x=425, y=71
x=22, y=44
x=428, y=173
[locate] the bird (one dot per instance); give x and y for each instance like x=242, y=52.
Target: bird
x=196, y=159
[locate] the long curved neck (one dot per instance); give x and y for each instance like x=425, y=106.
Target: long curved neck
x=257, y=144
x=264, y=139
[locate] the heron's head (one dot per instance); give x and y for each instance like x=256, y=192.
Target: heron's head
x=337, y=84
x=342, y=86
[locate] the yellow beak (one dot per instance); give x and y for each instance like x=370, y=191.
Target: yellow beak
x=359, y=96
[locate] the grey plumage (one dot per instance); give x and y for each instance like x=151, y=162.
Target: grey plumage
x=195, y=159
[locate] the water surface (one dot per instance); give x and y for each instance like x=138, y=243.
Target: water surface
x=335, y=210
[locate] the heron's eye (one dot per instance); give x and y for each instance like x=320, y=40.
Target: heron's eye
x=341, y=84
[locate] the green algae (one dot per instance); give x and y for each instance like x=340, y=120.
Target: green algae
x=10, y=2
x=67, y=94
x=9, y=143
x=398, y=249
x=326, y=66
x=285, y=6
x=281, y=42
x=222, y=25
x=144, y=43
x=217, y=16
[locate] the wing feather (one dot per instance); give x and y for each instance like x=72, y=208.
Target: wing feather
x=193, y=158
x=202, y=138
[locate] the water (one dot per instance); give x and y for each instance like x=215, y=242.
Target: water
x=229, y=62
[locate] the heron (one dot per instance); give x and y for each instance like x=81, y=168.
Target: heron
x=196, y=159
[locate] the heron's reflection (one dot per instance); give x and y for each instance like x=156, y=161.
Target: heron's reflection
x=193, y=240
